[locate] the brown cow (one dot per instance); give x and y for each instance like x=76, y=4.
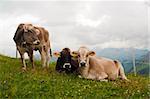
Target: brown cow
x=29, y=38
x=92, y=67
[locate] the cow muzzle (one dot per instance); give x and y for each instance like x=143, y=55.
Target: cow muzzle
x=36, y=42
x=67, y=65
x=24, y=43
x=82, y=64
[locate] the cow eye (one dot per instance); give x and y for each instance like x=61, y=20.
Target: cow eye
x=86, y=55
x=29, y=30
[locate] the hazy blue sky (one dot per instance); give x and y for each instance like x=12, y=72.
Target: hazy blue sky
x=94, y=23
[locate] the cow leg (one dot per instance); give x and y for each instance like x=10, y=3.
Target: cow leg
x=122, y=74
x=23, y=61
x=91, y=77
x=30, y=54
x=43, y=58
x=113, y=76
x=102, y=77
x=47, y=58
x=121, y=71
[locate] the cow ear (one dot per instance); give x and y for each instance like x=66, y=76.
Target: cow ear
x=37, y=31
x=91, y=53
x=56, y=54
x=25, y=28
x=19, y=32
x=74, y=54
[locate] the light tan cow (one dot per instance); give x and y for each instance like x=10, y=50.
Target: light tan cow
x=98, y=68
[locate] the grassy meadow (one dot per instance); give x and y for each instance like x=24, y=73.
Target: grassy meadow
x=48, y=84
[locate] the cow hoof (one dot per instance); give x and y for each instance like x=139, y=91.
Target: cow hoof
x=24, y=69
x=127, y=80
x=45, y=69
x=33, y=69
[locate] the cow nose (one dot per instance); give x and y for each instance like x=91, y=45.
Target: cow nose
x=82, y=63
x=67, y=65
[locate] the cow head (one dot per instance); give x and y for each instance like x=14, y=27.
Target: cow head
x=30, y=35
x=65, y=58
x=26, y=35
x=83, y=55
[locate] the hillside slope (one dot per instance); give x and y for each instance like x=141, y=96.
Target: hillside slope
x=49, y=84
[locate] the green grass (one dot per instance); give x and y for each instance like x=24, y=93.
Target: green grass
x=42, y=84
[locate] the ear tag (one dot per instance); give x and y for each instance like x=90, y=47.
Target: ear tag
x=56, y=54
x=74, y=54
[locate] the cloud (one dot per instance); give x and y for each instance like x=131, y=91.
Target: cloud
x=84, y=21
x=27, y=18
x=9, y=25
x=75, y=23
x=73, y=0
x=8, y=28
x=117, y=44
x=85, y=17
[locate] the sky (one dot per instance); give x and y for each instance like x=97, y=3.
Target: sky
x=96, y=24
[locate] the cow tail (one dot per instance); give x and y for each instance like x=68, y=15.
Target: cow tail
x=121, y=72
x=50, y=52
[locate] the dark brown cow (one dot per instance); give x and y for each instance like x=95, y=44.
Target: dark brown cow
x=66, y=62
x=29, y=38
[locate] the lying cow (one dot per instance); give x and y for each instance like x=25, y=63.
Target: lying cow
x=65, y=62
x=92, y=67
x=29, y=38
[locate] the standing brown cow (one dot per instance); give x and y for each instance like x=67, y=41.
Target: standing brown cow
x=29, y=38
